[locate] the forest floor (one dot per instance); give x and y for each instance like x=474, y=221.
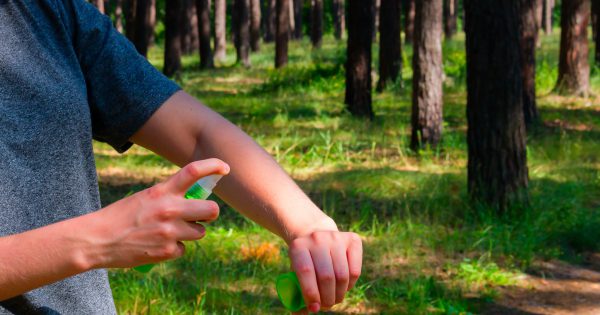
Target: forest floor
x=428, y=249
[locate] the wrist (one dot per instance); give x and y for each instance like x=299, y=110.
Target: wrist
x=85, y=235
x=322, y=223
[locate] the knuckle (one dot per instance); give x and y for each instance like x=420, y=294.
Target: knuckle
x=326, y=277
x=193, y=170
x=312, y=294
x=355, y=238
x=213, y=210
x=156, y=191
x=355, y=274
x=342, y=277
x=166, y=232
x=167, y=213
x=305, y=269
x=169, y=251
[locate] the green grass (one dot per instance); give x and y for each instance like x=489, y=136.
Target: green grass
x=427, y=249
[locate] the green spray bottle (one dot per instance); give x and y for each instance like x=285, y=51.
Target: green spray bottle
x=200, y=190
x=289, y=292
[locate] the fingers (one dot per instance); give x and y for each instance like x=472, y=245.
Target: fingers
x=303, y=266
x=187, y=231
x=321, y=258
x=198, y=210
x=189, y=174
x=342, y=275
x=354, y=254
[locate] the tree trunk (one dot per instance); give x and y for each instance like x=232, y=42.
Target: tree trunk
x=390, y=43
x=255, y=25
x=220, y=29
x=497, y=165
x=409, y=20
x=573, y=66
x=100, y=5
x=376, y=6
x=173, y=17
x=143, y=26
x=428, y=73
x=528, y=31
x=203, y=11
x=283, y=33
x=242, y=38
x=298, y=6
x=596, y=27
x=119, y=16
x=450, y=16
x=358, y=64
x=548, y=9
x=316, y=23
x=130, y=10
x=270, y=21
x=292, y=26
x=339, y=23
x=190, y=41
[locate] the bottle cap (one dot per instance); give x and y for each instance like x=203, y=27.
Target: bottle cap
x=289, y=292
x=208, y=183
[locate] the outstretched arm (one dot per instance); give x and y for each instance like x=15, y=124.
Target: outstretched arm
x=327, y=262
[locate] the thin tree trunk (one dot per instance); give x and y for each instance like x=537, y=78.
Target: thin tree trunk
x=376, y=18
x=173, y=17
x=450, y=17
x=573, y=66
x=339, y=20
x=220, y=29
x=529, y=34
x=283, y=33
x=409, y=20
x=99, y=4
x=203, y=11
x=255, y=25
x=271, y=19
x=130, y=11
x=548, y=9
x=358, y=64
x=119, y=16
x=153, y=13
x=242, y=38
x=596, y=27
x=390, y=43
x=428, y=73
x=298, y=32
x=316, y=25
x=143, y=26
x=497, y=159
x=292, y=28
x=190, y=41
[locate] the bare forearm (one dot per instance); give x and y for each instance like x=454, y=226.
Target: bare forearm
x=39, y=257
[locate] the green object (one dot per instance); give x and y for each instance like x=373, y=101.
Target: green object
x=289, y=292
x=200, y=190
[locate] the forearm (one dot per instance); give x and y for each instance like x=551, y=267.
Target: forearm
x=41, y=256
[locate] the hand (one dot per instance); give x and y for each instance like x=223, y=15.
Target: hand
x=149, y=226
x=327, y=263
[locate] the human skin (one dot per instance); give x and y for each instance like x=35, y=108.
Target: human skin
x=149, y=226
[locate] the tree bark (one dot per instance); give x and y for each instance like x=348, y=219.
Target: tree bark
x=428, y=73
x=220, y=29
x=573, y=66
x=316, y=23
x=119, y=16
x=409, y=20
x=130, y=11
x=283, y=33
x=271, y=20
x=173, y=17
x=596, y=27
x=99, y=4
x=376, y=6
x=529, y=33
x=298, y=6
x=339, y=21
x=242, y=38
x=548, y=9
x=390, y=43
x=450, y=18
x=144, y=26
x=358, y=64
x=292, y=26
x=190, y=41
x=497, y=166
x=255, y=25
x=203, y=11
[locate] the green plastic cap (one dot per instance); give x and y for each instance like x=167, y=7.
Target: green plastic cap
x=289, y=292
x=144, y=268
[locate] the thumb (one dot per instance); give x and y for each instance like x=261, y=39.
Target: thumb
x=181, y=181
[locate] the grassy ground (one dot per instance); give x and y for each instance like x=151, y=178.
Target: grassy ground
x=427, y=250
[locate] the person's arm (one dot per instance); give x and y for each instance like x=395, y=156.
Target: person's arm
x=327, y=262
x=144, y=228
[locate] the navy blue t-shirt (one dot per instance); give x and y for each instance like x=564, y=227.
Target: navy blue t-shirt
x=66, y=76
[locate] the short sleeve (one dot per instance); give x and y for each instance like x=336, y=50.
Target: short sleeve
x=123, y=88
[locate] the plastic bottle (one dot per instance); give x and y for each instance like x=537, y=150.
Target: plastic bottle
x=200, y=190
x=289, y=292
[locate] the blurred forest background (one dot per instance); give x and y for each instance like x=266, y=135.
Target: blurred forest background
x=460, y=139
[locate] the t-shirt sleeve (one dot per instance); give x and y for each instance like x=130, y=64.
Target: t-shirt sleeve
x=123, y=88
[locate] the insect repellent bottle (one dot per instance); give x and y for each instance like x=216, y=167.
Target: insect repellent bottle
x=200, y=190
x=289, y=292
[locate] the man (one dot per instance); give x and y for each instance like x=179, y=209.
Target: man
x=66, y=76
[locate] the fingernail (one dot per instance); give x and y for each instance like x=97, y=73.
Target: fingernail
x=314, y=307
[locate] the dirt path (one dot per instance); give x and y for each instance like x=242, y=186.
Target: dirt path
x=554, y=287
